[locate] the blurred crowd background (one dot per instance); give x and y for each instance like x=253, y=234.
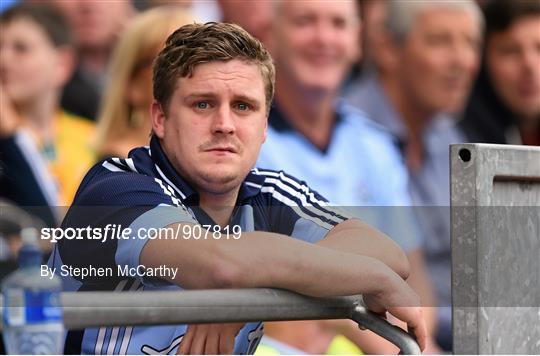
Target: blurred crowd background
x=369, y=95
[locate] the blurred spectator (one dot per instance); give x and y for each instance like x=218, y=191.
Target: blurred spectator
x=203, y=11
x=373, y=13
x=96, y=26
x=124, y=120
x=254, y=16
x=146, y=4
x=44, y=151
x=425, y=63
x=344, y=156
x=373, y=17
x=505, y=104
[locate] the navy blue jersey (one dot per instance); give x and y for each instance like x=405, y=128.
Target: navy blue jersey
x=144, y=191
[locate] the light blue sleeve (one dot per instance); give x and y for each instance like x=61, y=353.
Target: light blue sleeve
x=308, y=231
x=129, y=250
x=270, y=151
x=392, y=212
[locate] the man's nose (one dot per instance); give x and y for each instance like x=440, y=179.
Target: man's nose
x=530, y=58
x=223, y=121
x=468, y=53
x=324, y=33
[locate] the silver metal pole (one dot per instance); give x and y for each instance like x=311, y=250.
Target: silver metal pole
x=90, y=309
x=94, y=309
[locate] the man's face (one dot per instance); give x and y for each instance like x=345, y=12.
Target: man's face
x=513, y=63
x=216, y=124
x=438, y=59
x=316, y=42
x=96, y=24
x=30, y=66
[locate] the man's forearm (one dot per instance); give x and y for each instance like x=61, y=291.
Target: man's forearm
x=316, y=270
x=357, y=237
x=261, y=259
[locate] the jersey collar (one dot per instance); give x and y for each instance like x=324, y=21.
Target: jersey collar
x=166, y=172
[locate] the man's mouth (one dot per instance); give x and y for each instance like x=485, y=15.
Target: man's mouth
x=222, y=149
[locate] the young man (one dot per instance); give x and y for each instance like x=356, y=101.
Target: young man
x=426, y=61
x=212, y=86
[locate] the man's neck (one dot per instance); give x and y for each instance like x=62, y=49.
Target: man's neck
x=219, y=206
x=39, y=115
x=310, y=113
x=414, y=118
x=94, y=61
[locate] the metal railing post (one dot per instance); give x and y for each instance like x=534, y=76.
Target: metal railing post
x=383, y=328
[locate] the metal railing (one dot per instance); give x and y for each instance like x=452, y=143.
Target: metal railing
x=95, y=309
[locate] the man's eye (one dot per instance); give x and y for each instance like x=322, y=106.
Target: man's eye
x=202, y=105
x=21, y=47
x=242, y=106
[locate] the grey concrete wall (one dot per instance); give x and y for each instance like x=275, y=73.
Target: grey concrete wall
x=495, y=194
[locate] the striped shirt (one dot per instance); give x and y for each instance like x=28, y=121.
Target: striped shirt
x=361, y=169
x=145, y=191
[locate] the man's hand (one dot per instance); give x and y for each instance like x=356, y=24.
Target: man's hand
x=209, y=339
x=401, y=301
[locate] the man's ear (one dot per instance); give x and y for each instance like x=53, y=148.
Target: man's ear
x=265, y=130
x=388, y=53
x=158, y=119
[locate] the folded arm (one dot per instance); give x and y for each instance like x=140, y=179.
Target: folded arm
x=263, y=259
x=355, y=236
